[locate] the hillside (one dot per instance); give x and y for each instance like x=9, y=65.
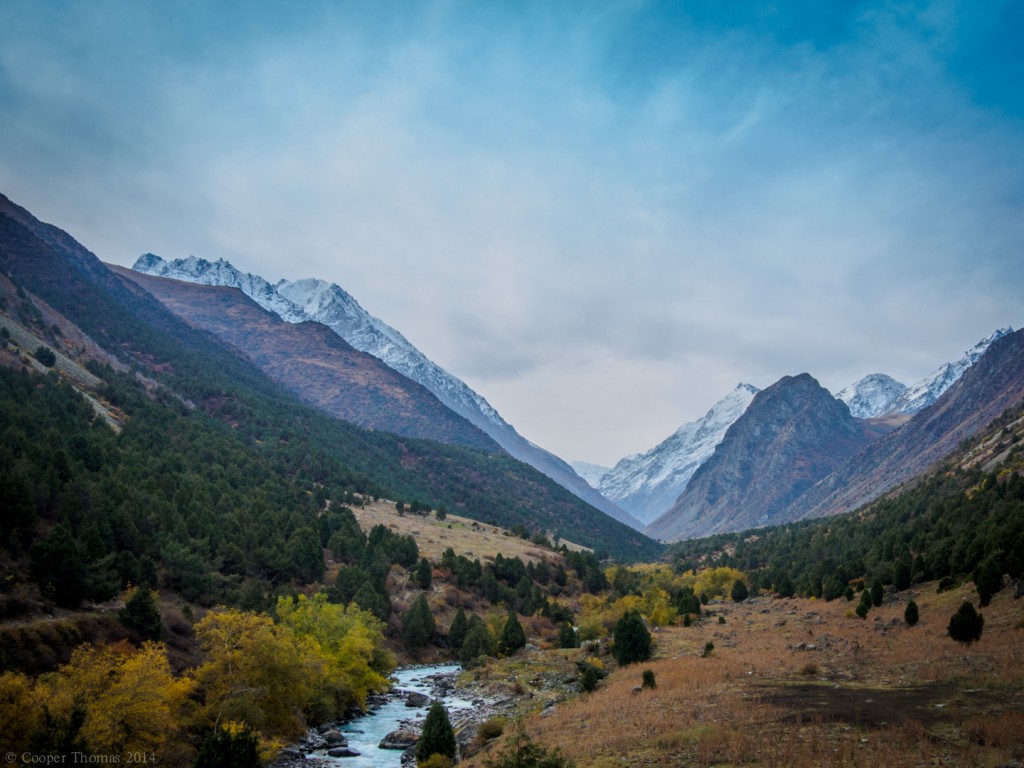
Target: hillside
x=313, y=362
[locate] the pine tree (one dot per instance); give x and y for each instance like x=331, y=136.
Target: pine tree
x=141, y=613
x=438, y=737
x=632, y=641
x=418, y=623
x=567, y=637
x=877, y=593
x=458, y=630
x=424, y=577
x=478, y=642
x=910, y=615
x=512, y=636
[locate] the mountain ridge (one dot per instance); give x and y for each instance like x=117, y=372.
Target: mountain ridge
x=331, y=305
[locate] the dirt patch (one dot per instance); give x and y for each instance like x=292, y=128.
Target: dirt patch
x=870, y=707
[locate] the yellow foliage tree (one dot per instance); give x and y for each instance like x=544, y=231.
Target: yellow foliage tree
x=20, y=712
x=716, y=582
x=349, y=643
x=132, y=702
x=256, y=673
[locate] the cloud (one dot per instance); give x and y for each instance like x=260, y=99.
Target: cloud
x=603, y=218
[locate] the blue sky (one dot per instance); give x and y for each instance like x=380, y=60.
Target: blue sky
x=601, y=215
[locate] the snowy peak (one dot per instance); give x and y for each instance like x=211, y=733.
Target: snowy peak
x=881, y=395
x=592, y=473
x=874, y=395
x=646, y=485
x=925, y=392
x=222, y=273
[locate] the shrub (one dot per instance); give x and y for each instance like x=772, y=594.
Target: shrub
x=709, y=648
x=864, y=605
x=435, y=761
x=966, y=624
x=491, y=728
x=521, y=752
x=45, y=356
x=910, y=615
x=648, y=679
x=739, y=591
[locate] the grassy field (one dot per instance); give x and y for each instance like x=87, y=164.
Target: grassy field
x=467, y=537
x=804, y=683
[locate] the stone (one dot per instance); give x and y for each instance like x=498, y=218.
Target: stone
x=343, y=752
x=335, y=739
x=400, y=739
x=415, y=699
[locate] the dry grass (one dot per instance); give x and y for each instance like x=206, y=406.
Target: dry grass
x=467, y=537
x=800, y=683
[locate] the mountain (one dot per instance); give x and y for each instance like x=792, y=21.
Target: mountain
x=314, y=362
x=874, y=395
x=791, y=435
x=987, y=388
x=880, y=395
x=646, y=485
x=177, y=385
x=329, y=304
x=592, y=473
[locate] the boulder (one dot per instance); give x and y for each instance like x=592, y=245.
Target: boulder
x=343, y=752
x=400, y=739
x=335, y=739
x=415, y=699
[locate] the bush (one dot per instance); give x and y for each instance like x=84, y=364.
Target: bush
x=521, y=752
x=648, y=679
x=739, y=591
x=231, y=747
x=632, y=641
x=491, y=728
x=864, y=605
x=709, y=648
x=910, y=615
x=966, y=624
x=45, y=356
x=435, y=761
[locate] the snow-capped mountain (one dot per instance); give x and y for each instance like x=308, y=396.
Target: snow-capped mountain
x=925, y=392
x=874, y=395
x=592, y=473
x=327, y=303
x=881, y=395
x=646, y=485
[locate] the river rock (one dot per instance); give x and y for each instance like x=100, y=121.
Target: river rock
x=343, y=752
x=400, y=739
x=335, y=739
x=415, y=699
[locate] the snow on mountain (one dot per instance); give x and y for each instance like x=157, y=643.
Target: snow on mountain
x=327, y=303
x=592, y=473
x=925, y=392
x=646, y=485
x=874, y=395
x=881, y=395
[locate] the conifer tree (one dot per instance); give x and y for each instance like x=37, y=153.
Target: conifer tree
x=424, y=577
x=966, y=624
x=418, y=623
x=739, y=591
x=438, y=737
x=458, y=630
x=910, y=615
x=141, y=613
x=512, y=636
x=632, y=641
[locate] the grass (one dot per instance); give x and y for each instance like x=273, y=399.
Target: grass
x=799, y=683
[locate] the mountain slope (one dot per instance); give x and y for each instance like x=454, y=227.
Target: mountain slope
x=647, y=485
x=985, y=390
x=314, y=363
x=793, y=434
x=199, y=379
x=329, y=304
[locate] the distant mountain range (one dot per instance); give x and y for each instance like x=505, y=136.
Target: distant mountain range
x=796, y=452
x=647, y=485
x=318, y=301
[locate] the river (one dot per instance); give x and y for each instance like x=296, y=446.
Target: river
x=364, y=733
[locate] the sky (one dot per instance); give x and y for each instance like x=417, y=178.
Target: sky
x=602, y=216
